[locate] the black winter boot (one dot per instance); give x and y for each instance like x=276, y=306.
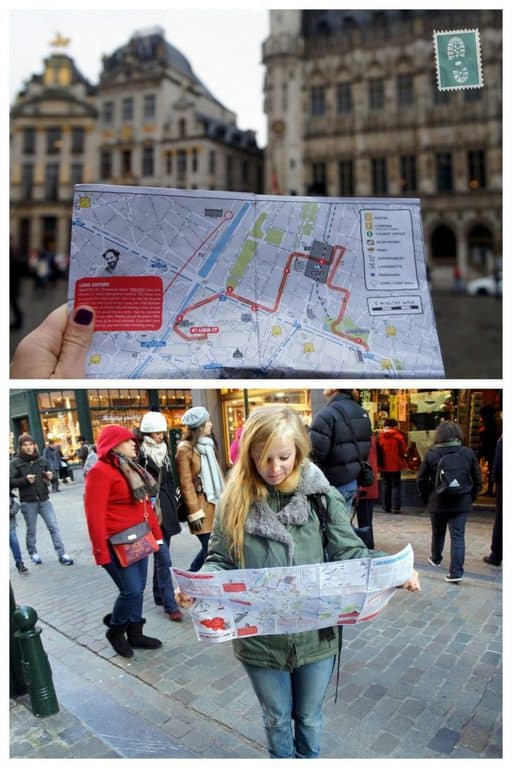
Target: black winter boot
x=116, y=638
x=137, y=639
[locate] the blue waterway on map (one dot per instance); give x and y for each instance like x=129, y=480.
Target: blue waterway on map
x=217, y=251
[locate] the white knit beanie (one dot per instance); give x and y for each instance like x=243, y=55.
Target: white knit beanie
x=153, y=422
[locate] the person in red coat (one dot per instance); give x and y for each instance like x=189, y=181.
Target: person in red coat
x=391, y=455
x=117, y=496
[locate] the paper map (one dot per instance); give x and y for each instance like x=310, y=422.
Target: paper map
x=195, y=284
x=269, y=601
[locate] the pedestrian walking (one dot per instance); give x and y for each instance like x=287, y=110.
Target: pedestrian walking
x=155, y=457
x=52, y=456
x=14, y=544
x=92, y=458
x=340, y=437
x=117, y=497
x=391, y=456
x=199, y=476
x=367, y=496
x=496, y=555
x=448, y=482
x=266, y=518
x=31, y=475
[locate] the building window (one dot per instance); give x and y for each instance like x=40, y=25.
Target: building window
x=77, y=173
x=182, y=127
x=245, y=172
x=439, y=97
x=77, y=140
x=476, y=169
x=195, y=162
x=108, y=112
x=408, y=177
x=181, y=164
x=212, y=162
x=318, y=179
x=168, y=163
x=229, y=171
x=149, y=106
x=106, y=164
x=126, y=162
x=318, y=100
x=376, y=93
x=29, y=140
x=53, y=140
x=52, y=181
x=148, y=160
x=344, y=98
x=405, y=90
x=284, y=97
x=27, y=181
x=127, y=109
x=379, y=176
x=472, y=94
x=346, y=178
x=444, y=172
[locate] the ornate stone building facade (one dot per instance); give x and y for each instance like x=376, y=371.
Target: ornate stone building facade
x=353, y=109
x=149, y=120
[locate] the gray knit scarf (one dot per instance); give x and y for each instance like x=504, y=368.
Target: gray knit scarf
x=210, y=474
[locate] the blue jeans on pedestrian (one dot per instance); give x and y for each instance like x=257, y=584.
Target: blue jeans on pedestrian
x=30, y=510
x=131, y=582
x=456, y=525
x=14, y=543
x=163, y=588
x=199, y=559
x=348, y=495
x=292, y=696
x=391, y=491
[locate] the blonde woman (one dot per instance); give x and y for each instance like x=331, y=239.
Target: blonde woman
x=199, y=476
x=266, y=518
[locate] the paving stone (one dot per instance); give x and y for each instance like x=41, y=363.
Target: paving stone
x=444, y=741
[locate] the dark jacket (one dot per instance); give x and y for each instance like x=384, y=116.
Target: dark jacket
x=23, y=465
x=425, y=479
x=334, y=449
x=167, y=494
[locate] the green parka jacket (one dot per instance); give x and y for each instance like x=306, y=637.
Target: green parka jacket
x=286, y=531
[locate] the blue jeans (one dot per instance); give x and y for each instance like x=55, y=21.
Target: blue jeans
x=348, y=495
x=131, y=582
x=199, y=559
x=14, y=543
x=456, y=524
x=30, y=510
x=298, y=696
x=163, y=588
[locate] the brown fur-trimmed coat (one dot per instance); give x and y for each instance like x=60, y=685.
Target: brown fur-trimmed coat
x=188, y=465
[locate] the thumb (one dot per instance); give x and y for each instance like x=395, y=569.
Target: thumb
x=75, y=343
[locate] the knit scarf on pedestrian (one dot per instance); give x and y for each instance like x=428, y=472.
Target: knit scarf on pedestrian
x=210, y=474
x=141, y=483
x=157, y=452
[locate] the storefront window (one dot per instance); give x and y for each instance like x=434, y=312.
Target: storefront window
x=236, y=405
x=173, y=404
x=59, y=419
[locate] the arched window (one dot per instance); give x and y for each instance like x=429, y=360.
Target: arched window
x=443, y=245
x=481, y=247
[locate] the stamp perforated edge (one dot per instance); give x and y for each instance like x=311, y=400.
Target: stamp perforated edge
x=476, y=32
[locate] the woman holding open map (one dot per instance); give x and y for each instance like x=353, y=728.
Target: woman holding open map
x=270, y=515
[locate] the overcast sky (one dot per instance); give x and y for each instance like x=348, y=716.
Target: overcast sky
x=223, y=47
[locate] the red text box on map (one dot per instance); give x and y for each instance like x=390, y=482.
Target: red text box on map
x=122, y=303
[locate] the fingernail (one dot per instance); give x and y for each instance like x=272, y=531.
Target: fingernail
x=83, y=316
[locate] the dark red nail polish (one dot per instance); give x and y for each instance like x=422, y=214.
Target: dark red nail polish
x=83, y=316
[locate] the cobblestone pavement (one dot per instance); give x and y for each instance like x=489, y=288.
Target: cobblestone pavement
x=423, y=680
x=460, y=321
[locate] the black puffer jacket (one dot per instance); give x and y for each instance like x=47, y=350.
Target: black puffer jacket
x=20, y=467
x=334, y=449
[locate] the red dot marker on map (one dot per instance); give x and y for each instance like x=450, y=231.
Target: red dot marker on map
x=228, y=215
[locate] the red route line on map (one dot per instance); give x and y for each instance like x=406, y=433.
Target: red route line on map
x=338, y=251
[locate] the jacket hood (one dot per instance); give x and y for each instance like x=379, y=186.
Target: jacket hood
x=111, y=436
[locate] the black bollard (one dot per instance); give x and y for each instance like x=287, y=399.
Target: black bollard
x=36, y=667
x=17, y=684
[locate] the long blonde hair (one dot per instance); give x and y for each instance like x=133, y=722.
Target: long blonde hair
x=263, y=427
